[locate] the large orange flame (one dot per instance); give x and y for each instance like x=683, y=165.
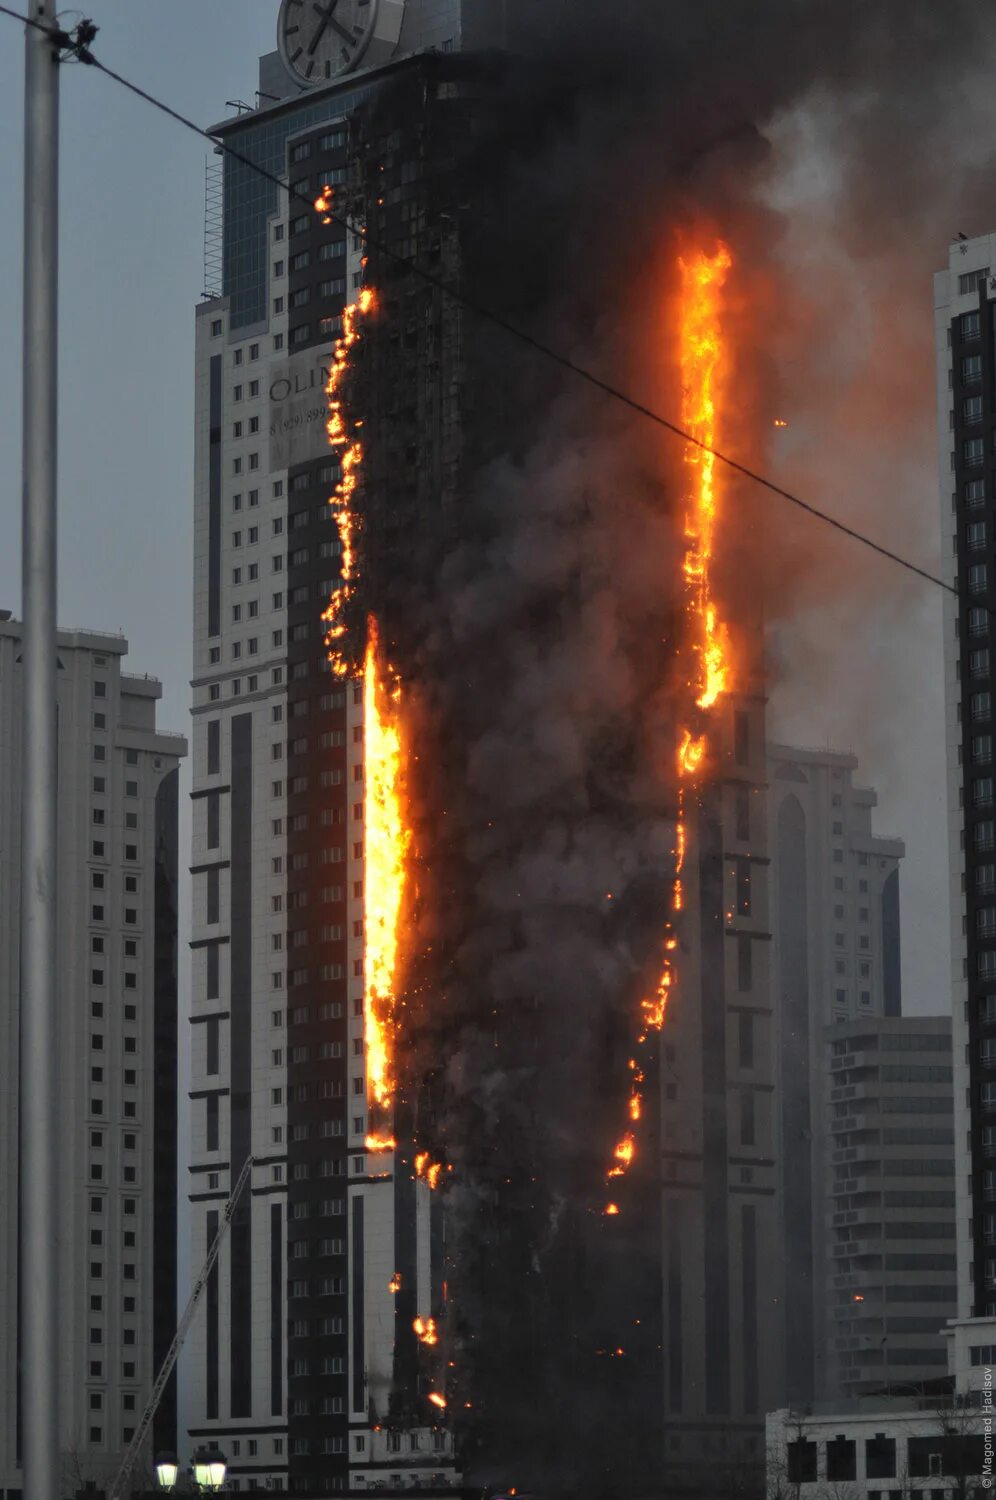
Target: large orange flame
x=701, y=356
x=386, y=854
x=701, y=360
x=350, y=457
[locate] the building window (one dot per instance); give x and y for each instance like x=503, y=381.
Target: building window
x=981, y=705
x=978, y=622
x=982, y=748
x=971, y=409
x=216, y=327
x=975, y=535
x=970, y=281
x=970, y=326
x=978, y=578
x=973, y=453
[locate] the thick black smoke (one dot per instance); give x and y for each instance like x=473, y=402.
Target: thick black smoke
x=537, y=620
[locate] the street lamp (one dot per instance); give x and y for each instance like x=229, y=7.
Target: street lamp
x=209, y=1468
x=166, y=1471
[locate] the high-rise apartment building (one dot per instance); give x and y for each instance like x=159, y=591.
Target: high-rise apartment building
x=835, y=959
x=117, y=1063
x=966, y=405
x=305, y=1367
x=723, y=1333
x=889, y=1207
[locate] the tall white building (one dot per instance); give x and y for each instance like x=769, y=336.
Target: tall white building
x=117, y=999
x=835, y=959
x=305, y=1366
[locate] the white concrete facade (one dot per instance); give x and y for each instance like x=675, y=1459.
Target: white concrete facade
x=878, y=1451
x=273, y=411
x=835, y=959
x=112, y=763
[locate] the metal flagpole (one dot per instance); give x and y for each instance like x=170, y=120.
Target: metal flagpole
x=38, y=1096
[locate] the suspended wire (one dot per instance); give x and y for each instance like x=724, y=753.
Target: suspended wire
x=78, y=45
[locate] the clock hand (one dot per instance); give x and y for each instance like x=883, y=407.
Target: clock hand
x=347, y=36
x=326, y=16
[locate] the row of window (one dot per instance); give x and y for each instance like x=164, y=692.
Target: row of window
x=840, y=997
x=218, y=328
x=331, y=1010
x=326, y=973
x=303, y=1249
x=98, y=817
x=251, y=683
x=840, y=967
x=252, y=1447
x=333, y=140
x=238, y=354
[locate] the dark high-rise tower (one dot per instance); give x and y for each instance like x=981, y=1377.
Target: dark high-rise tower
x=966, y=402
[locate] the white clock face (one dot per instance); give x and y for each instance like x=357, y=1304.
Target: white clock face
x=321, y=39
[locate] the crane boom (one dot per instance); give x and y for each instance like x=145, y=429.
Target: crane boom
x=183, y=1328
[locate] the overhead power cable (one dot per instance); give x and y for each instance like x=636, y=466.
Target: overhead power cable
x=78, y=45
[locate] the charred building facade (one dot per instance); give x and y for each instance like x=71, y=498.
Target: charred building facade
x=966, y=404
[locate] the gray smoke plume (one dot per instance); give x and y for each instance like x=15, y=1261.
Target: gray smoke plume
x=539, y=633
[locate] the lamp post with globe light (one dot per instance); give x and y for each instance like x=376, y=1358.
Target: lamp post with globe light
x=167, y=1470
x=209, y=1469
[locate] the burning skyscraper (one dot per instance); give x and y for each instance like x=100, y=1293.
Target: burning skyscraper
x=479, y=764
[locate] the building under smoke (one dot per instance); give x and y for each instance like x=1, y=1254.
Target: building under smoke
x=519, y=539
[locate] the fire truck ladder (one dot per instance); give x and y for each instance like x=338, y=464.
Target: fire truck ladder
x=166, y=1368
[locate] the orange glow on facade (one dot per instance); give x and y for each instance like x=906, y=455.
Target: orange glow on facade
x=430, y=1170
x=350, y=452
x=385, y=855
x=437, y=1400
x=701, y=359
x=425, y=1329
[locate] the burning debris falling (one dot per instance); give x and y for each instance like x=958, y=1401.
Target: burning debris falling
x=700, y=355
